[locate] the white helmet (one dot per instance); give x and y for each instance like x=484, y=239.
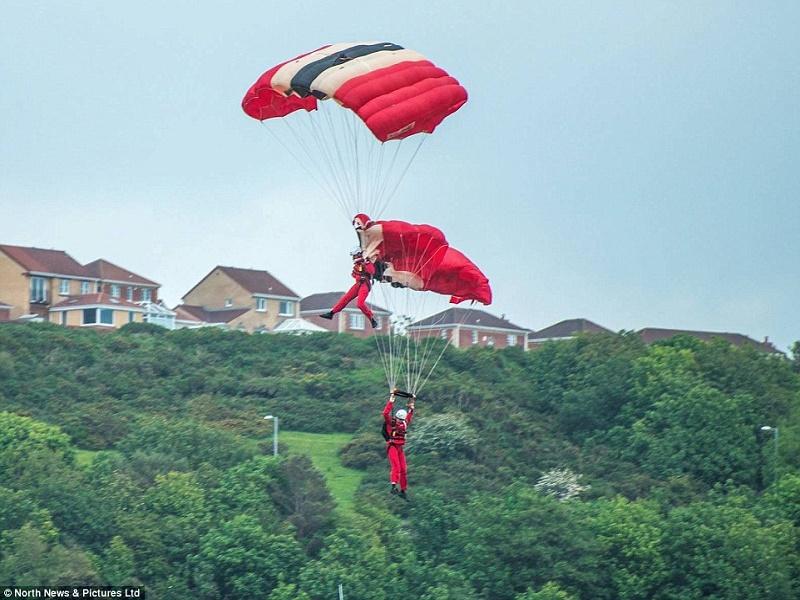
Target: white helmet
x=401, y=414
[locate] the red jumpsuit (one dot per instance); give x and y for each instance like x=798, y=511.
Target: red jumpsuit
x=394, y=447
x=362, y=272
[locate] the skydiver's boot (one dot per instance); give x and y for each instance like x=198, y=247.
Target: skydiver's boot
x=374, y=323
x=394, y=489
x=403, y=495
x=328, y=315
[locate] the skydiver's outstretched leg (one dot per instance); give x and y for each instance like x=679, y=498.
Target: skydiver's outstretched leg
x=343, y=301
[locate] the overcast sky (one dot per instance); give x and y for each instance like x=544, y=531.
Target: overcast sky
x=634, y=163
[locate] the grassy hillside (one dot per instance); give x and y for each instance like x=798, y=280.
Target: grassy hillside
x=323, y=449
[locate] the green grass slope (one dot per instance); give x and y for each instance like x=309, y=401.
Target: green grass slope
x=323, y=450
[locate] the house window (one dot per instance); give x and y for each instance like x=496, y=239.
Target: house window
x=85, y=287
x=443, y=334
x=63, y=317
x=89, y=316
x=114, y=290
x=129, y=294
x=106, y=316
x=99, y=287
x=38, y=289
x=286, y=309
x=379, y=323
x=474, y=336
x=228, y=302
x=511, y=340
x=490, y=341
x=357, y=321
x=145, y=295
x=261, y=304
x=64, y=287
x=130, y=315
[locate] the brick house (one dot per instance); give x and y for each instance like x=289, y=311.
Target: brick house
x=564, y=330
x=654, y=334
x=230, y=297
x=51, y=285
x=350, y=320
x=466, y=327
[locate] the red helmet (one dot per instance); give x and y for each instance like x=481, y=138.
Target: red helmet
x=361, y=221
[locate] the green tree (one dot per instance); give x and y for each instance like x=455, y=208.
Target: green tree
x=507, y=543
x=357, y=560
x=549, y=591
x=29, y=559
x=632, y=539
x=722, y=551
x=117, y=566
x=239, y=560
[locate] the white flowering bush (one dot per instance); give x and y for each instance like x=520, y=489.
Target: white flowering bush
x=563, y=484
x=447, y=434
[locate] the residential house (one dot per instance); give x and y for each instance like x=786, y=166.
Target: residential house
x=564, y=330
x=350, y=320
x=233, y=298
x=465, y=327
x=50, y=285
x=654, y=334
x=121, y=283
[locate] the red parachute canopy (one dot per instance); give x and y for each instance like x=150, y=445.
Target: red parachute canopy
x=419, y=257
x=396, y=92
x=461, y=278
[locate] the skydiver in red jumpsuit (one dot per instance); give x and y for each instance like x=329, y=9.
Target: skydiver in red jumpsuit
x=396, y=429
x=363, y=272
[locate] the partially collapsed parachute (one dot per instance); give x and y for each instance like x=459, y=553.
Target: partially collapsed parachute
x=382, y=92
x=419, y=257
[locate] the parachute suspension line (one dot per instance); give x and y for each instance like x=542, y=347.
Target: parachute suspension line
x=336, y=156
x=423, y=345
x=464, y=314
x=385, y=357
x=317, y=157
x=321, y=183
x=382, y=183
x=402, y=176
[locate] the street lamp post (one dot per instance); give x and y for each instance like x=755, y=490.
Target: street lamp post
x=774, y=430
x=274, y=433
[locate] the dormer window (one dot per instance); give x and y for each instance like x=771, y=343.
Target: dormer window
x=228, y=302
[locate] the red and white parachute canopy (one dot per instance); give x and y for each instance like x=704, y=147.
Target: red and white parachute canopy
x=395, y=92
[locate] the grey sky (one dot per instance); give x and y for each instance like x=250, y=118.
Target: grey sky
x=633, y=163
